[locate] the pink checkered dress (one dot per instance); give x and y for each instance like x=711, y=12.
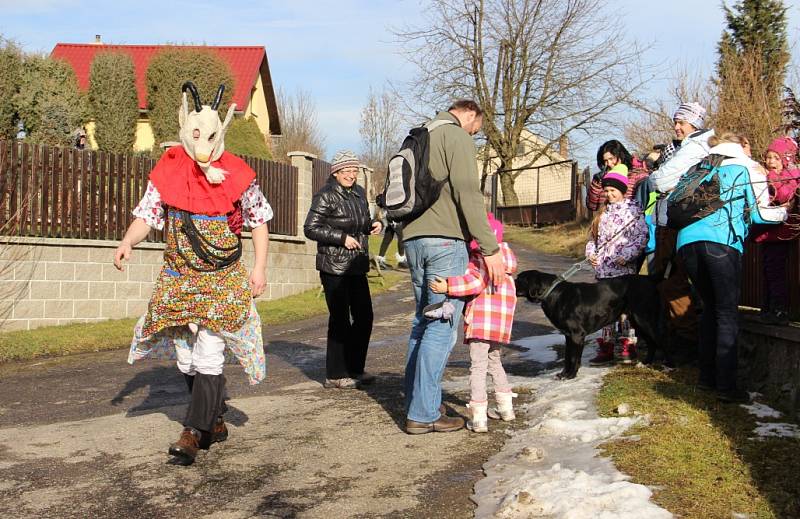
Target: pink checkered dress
x=488, y=315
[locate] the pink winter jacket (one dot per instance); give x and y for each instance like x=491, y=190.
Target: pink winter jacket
x=782, y=189
x=489, y=314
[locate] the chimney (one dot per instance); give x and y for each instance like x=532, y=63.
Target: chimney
x=563, y=146
x=97, y=40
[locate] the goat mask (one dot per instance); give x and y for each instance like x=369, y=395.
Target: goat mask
x=205, y=121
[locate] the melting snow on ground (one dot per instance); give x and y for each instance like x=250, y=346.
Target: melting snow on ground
x=771, y=429
x=776, y=430
x=761, y=410
x=551, y=467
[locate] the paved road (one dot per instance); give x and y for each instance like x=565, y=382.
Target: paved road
x=86, y=436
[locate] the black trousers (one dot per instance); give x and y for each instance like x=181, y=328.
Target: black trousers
x=716, y=272
x=207, y=401
x=349, y=324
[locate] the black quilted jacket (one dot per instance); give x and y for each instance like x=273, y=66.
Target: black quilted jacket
x=335, y=213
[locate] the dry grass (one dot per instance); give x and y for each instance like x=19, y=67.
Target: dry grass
x=697, y=453
x=567, y=239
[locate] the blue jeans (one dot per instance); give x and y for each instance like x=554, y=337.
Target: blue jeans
x=430, y=342
x=716, y=273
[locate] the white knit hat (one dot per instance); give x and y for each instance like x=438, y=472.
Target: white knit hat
x=344, y=159
x=693, y=113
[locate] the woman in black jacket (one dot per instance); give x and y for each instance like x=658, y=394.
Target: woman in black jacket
x=340, y=223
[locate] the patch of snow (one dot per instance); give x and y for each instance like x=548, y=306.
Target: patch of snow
x=540, y=347
x=762, y=411
x=552, y=467
x=777, y=430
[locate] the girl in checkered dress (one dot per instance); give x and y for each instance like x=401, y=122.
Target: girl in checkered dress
x=488, y=316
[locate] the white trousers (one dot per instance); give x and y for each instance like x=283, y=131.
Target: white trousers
x=207, y=356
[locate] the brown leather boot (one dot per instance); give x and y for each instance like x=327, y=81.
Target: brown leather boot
x=185, y=449
x=220, y=432
x=443, y=424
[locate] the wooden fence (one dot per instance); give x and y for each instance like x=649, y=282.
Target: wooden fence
x=320, y=172
x=53, y=192
x=753, y=277
x=278, y=181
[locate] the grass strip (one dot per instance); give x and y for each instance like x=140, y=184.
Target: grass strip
x=566, y=239
x=698, y=454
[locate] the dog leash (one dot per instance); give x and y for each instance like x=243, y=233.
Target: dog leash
x=576, y=267
x=565, y=276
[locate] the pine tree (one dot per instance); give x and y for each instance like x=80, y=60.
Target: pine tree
x=760, y=26
x=244, y=138
x=113, y=101
x=753, y=56
x=10, y=79
x=168, y=70
x=48, y=102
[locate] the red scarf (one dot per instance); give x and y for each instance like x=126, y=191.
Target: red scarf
x=183, y=185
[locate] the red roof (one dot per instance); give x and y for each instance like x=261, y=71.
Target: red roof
x=244, y=63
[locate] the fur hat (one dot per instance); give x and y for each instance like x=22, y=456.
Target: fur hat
x=344, y=159
x=617, y=177
x=693, y=113
x=786, y=148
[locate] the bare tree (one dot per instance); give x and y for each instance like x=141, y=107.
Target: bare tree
x=651, y=122
x=381, y=132
x=299, y=125
x=544, y=65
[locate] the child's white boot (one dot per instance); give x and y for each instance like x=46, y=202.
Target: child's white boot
x=505, y=407
x=478, y=422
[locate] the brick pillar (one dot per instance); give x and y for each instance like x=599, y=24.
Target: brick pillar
x=302, y=161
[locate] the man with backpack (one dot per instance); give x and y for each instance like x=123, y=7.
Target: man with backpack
x=436, y=245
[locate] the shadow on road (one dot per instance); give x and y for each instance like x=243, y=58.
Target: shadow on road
x=167, y=394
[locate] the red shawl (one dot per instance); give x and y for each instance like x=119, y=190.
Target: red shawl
x=183, y=185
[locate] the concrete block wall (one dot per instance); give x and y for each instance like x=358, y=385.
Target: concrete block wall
x=49, y=281
x=55, y=281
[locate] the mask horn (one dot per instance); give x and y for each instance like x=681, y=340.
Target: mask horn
x=198, y=105
x=218, y=99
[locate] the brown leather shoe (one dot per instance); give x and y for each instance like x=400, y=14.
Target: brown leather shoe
x=443, y=424
x=220, y=431
x=185, y=449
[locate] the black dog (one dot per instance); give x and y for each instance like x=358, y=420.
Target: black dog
x=578, y=309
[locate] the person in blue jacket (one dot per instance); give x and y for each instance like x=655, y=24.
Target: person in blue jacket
x=711, y=250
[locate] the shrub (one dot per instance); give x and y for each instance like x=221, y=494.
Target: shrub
x=113, y=102
x=167, y=72
x=10, y=78
x=49, y=103
x=245, y=138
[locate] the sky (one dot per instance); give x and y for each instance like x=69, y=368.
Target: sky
x=337, y=50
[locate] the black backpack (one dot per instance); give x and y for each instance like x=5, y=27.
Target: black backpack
x=696, y=196
x=410, y=189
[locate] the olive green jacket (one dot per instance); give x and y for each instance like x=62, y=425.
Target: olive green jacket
x=459, y=212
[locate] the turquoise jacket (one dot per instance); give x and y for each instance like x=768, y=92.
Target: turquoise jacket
x=744, y=188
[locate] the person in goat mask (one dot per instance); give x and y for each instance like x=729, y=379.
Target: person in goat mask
x=202, y=307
